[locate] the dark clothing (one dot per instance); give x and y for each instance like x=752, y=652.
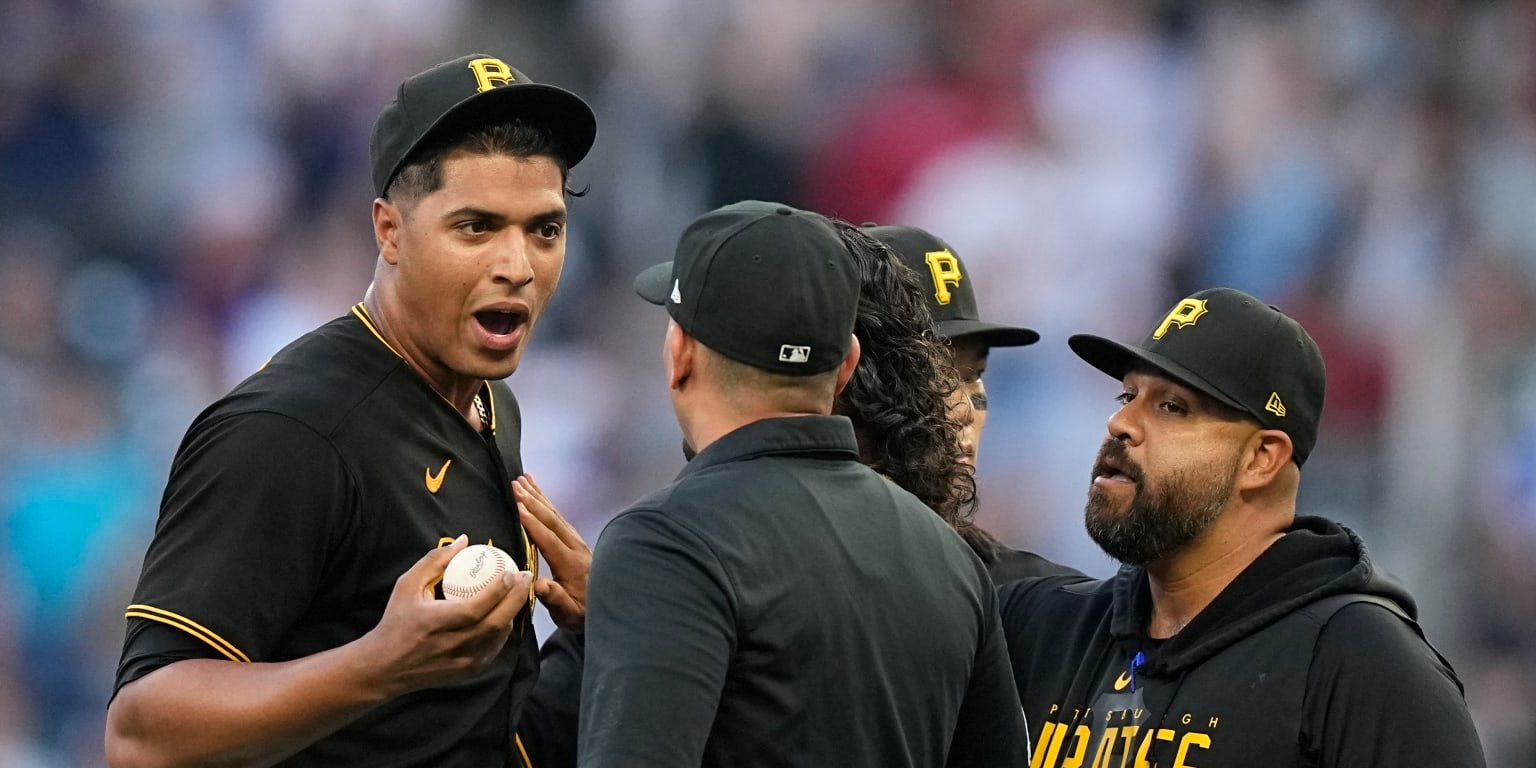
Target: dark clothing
x=293, y=505
x=549, y=725
x=1278, y=671
x=1005, y=564
x=783, y=604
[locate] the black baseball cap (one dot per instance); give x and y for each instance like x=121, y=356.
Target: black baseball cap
x=1236, y=349
x=951, y=298
x=473, y=90
x=764, y=284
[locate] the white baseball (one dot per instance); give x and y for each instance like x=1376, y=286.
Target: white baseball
x=473, y=569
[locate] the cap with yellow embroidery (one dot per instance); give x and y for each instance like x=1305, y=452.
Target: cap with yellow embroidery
x=473, y=90
x=951, y=298
x=1238, y=350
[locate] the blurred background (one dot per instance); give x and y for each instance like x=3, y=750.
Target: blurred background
x=183, y=190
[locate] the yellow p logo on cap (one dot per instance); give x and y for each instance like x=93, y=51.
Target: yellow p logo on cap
x=490, y=73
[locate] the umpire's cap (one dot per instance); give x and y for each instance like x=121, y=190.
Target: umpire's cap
x=1236, y=349
x=473, y=90
x=764, y=284
x=951, y=298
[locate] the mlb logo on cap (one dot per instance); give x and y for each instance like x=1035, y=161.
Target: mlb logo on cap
x=790, y=353
x=750, y=275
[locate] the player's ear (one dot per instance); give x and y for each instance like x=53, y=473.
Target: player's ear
x=388, y=220
x=677, y=355
x=1268, y=454
x=850, y=362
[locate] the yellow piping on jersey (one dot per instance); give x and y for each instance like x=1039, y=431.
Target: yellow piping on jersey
x=189, y=626
x=362, y=314
x=521, y=750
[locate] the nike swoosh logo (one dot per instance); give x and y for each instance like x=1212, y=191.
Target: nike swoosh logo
x=1122, y=681
x=434, y=483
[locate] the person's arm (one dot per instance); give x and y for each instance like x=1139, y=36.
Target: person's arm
x=254, y=506
x=1378, y=695
x=990, y=730
x=550, y=718
x=661, y=631
x=205, y=711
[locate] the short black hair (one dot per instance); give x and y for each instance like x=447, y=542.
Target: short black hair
x=422, y=174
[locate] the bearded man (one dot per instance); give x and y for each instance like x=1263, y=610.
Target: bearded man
x=1236, y=632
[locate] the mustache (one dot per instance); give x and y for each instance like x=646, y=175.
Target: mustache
x=1114, y=457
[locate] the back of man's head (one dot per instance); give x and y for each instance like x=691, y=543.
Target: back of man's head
x=771, y=293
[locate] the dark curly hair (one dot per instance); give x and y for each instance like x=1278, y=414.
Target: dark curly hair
x=897, y=398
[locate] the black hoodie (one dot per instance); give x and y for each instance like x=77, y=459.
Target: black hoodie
x=1310, y=657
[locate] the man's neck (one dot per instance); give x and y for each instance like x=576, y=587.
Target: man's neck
x=459, y=391
x=1183, y=584
x=701, y=430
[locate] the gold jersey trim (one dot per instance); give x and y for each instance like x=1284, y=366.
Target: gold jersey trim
x=373, y=327
x=521, y=750
x=189, y=626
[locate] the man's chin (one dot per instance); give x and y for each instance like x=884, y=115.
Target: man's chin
x=496, y=366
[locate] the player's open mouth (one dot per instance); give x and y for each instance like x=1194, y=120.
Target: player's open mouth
x=501, y=322
x=1112, y=469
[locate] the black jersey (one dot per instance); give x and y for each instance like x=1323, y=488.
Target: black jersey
x=1310, y=657
x=783, y=604
x=294, y=504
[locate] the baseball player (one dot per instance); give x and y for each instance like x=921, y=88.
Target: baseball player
x=285, y=611
x=951, y=298
x=1236, y=632
x=745, y=614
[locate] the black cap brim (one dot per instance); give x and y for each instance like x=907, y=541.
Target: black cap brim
x=990, y=334
x=569, y=120
x=1118, y=359
x=653, y=284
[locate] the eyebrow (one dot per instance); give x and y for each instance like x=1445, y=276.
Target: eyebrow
x=554, y=215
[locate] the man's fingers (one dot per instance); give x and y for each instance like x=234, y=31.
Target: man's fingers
x=428, y=571
x=546, y=540
x=512, y=599
x=563, y=608
x=528, y=491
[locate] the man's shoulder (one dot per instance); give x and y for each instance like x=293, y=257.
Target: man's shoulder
x=319, y=380
x=1054, y=597
x=1007, y=564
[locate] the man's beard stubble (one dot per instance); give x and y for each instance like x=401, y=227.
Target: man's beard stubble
x=1163, y=516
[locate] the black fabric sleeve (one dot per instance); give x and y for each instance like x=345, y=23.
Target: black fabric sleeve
x=549, y=722
x=1009, y=564
x=1379, y=695
x=661, y=631
x=253, y=505
x=990, y=730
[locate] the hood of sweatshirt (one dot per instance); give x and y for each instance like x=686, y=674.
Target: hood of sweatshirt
x=1316, y=558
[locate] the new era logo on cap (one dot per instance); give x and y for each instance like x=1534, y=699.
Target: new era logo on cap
x=789, y=353
x=677, y=295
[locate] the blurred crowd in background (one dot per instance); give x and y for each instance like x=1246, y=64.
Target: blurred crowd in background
x=183, y=190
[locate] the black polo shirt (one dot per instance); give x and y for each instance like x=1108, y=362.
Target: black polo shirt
x=783, y=604
x=293, y=505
